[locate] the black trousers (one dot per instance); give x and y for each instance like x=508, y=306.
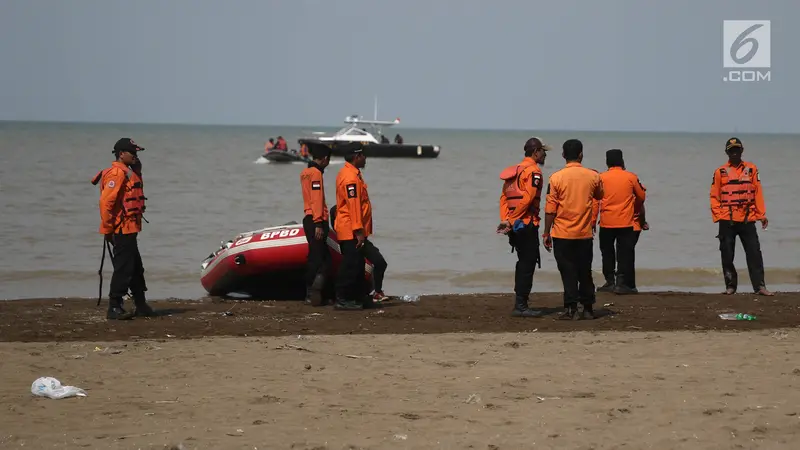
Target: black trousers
x=318, y=254
x=379, y=264
x=636, y=235
x=526, y=244
x=618, y=249
x=574, y=260
x=128, y=269
x=752, y=249
x=350, y=283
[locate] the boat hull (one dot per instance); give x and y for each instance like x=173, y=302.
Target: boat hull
x=269, y=263
x=280, y=156
x=372, y=150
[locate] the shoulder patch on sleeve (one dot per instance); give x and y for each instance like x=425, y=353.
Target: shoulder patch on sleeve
x=316, y=185
x=111, y=184
x=351, y=190
x=758, y=176
x=536, y=180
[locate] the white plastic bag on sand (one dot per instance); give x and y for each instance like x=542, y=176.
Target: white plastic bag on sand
x=52, y=388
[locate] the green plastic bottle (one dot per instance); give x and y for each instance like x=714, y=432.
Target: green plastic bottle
x=737, y=316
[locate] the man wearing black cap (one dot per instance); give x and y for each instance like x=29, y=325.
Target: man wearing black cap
x=122, y=205
x=353, y=225
x=520, y=202
x=622, y=191
x=315, y=221
x=737, y=203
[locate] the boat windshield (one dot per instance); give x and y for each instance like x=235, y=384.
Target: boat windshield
x=352, y=131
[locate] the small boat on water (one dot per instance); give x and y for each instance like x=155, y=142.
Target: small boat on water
x=284, y=156
x=373, y=147
x=269, y=263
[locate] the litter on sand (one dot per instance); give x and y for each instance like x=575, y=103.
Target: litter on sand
x=52, y=388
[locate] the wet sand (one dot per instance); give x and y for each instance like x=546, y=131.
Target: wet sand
x=454, y=372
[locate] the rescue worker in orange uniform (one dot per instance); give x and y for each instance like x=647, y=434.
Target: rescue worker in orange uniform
x=622, y=191
x=353, y=225
x=520, y=200
x=122, y=205
x=568, y=229
x=315, y=222
x=737, y=203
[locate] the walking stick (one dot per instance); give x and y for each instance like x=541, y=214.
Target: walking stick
x=106, y=246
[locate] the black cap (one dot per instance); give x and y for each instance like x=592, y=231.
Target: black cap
x=614, y=158
x=318, y=149
x=733, y=142
x=127, y=145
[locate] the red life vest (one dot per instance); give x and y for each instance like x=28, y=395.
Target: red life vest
x=514, y=192
x=737, y=192
x=133, y=192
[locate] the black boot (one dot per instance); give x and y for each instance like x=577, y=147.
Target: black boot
x=348, y=305
x=570, y=312
x=142, y=308
x=608, y=287
x=587, y=313
x=314, y=292
x=115, y=311
x=625, y=290
x=521, y=309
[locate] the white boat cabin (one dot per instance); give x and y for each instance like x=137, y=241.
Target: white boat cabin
x=354, y=133
x=351, y=133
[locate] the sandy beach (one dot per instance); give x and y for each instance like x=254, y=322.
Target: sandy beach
x=451, y=372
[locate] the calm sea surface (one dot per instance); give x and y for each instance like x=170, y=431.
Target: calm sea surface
x=434, y=219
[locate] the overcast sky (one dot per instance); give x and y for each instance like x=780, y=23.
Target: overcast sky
x=522, y=64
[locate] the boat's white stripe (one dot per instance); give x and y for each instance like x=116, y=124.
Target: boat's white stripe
x=285, y=242
x=254, y=246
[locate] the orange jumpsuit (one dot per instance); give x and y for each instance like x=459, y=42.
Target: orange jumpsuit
x=315, y=216
x=353, y=208
x=520, y=200
x=617, y=210
x=570, y=198
x=122, y=205
x=354, y=213
x=122, y=200
x=737, y=202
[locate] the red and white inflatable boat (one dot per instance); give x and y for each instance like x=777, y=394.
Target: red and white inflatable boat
x=268, y=263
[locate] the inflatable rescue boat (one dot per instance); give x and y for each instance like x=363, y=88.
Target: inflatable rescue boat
x=269, y=263
x=284, y=156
